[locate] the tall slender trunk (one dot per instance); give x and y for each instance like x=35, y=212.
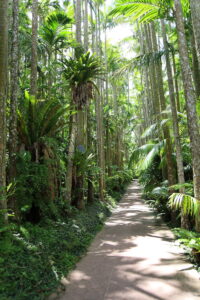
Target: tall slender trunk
x=86, y=37
x=195, y=13
x=92, y=28
x=153, y=79
x=107, y=137
x=90, y=187
x=14, y=90
x=166, y=132
x=179, y=157
x=80, y=144
x=195, y=65
x=71, y=150
x=34, y=56
x=99, y=116
x=3, y=98
x=178, y=106
x=78, y=22
x=80, y=137
x=190, y=102
x=14, y=75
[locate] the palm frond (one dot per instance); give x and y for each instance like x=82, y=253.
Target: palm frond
x=139, y=152
x=144, y=10
x=58, y=17
x=149, y=131
x=141, y=60
x=188, y=204
x=160, y=191
x=150, y=156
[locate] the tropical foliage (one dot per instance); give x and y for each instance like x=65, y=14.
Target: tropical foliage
x=81, y=114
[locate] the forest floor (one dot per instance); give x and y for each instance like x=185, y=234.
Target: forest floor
x=134, y=257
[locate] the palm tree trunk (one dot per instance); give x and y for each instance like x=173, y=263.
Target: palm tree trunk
x=195, y=13
x=179, y=157
x=195, y=65
x=14, y=95
x=86, y=38
x=153, y=79
x=80, y=144
x=166, y=132
x=3, y=98
x=178, y=106
x=190, y=102
x=34, y=56
x=71, y=150
x=99, y=117
x=90, y=187
x=78, y=22
x=92, y=28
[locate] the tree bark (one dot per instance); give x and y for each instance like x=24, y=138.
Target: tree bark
x=178, y=106
x=179, y=157
x=14, y=91
x=195, y=13
x=166, y=132
x=3, y=98
x=78, y=22
x=71, y=150
x=195, y=65
x=34, y=55
x=190, y=102
x=86, y=37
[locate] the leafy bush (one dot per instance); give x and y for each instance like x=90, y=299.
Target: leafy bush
x=33, y=258
x=191, y=240
x=118, y=181
x=31, y=184
x=150, y=177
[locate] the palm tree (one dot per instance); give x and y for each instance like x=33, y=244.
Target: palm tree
x=80, y=73
x=54, y=37
x=154, y=9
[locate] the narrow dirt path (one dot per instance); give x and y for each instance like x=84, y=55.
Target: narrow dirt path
x=133, y=258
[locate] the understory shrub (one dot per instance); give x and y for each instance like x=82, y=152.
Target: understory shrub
x=191, y=241
x=34, y=258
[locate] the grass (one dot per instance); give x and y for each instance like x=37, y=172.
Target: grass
x=34, y=258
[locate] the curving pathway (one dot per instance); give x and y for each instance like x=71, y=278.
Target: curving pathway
x=133, y=258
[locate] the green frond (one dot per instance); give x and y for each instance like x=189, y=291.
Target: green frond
x=178, y=186
x=160, y=191
x=139, y=152
x=144, y=10
x=165, y=122
x=150, y=157
x=58, y=17
x=188, y=204
x=38, y=119
x=149, y=131
x=141, y=60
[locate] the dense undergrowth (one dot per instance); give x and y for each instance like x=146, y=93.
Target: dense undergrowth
x=156, y=194
x=34, y=257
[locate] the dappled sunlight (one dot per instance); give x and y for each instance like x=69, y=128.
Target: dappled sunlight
x=132, y=258
x=78, y=275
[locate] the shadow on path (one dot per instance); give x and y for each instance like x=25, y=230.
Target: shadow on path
x=132, y=258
